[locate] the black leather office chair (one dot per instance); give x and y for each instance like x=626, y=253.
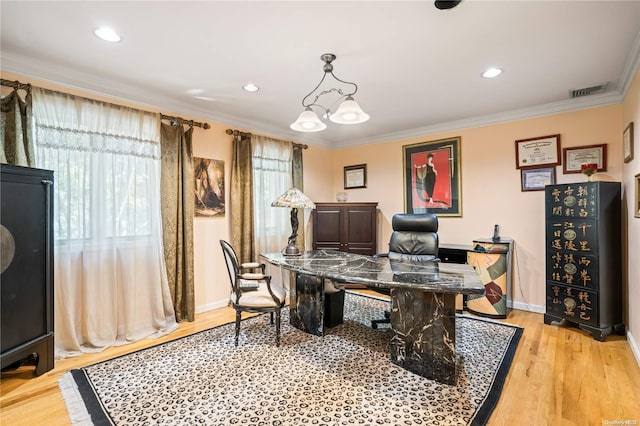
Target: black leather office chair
x=415, y=238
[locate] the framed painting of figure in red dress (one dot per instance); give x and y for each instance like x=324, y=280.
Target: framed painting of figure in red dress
x=432, y=177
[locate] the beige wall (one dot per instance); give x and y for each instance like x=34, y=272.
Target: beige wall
x=490, y=191
x=631, y=113
x=491, y=186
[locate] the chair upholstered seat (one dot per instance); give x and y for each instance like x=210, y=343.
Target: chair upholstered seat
x=260, y=298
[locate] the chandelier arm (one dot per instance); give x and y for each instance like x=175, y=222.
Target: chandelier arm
x=311, y=92
x=346, y=82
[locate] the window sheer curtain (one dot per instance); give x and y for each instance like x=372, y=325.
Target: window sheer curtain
x=272, y=176
x=110, y=278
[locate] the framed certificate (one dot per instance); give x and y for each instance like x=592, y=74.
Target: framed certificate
x=537, y=179
x=590, y=154
x=538, y=152
x=355, y=176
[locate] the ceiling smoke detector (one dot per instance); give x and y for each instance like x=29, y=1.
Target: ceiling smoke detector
x=586, y=91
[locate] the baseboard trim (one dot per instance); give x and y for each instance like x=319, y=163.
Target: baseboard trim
x=521, y=306
x=211, y=306
x=634, y=347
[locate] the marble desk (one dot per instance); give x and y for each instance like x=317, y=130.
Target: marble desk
x=422, y=302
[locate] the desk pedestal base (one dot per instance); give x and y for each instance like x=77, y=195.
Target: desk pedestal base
x=424, y=333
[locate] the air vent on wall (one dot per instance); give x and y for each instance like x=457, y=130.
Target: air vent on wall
x=585, y=91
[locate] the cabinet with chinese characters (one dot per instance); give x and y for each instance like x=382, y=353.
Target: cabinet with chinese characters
x=583, y=256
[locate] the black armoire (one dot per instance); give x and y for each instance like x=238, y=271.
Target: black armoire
x=583, y=256
x=26, y=298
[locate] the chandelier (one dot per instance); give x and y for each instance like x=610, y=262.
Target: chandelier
x=348, y=112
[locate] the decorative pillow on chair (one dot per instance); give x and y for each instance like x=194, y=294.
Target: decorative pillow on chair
x=248, y=285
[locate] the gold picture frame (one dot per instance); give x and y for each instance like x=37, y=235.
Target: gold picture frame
x=432, y=177
x=636, y=205
x=627, y=143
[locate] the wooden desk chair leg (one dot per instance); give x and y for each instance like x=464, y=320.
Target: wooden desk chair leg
x=277, y=327
x=238, y=314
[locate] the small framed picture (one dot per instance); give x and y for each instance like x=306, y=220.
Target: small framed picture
x=355, y=176
x=627, y=143
x=537, y=179
x=538, y=152
x=636, y=205
x=575, y=157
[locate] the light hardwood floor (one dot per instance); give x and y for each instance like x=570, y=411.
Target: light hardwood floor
x=560, y=376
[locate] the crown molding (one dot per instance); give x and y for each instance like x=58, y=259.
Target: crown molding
x=123, y=92
x=592, y=101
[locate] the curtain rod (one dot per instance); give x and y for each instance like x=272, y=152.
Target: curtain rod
x=15, y=84
x=26, y=86
x=235, y=132
x=190, y=122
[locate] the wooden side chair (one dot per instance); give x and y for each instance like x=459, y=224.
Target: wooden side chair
x=251, y=289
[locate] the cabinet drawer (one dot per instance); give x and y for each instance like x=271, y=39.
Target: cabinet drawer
x=573, y=269
x=572, y=235
x=576, y=305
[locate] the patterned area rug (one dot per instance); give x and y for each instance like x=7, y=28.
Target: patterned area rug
x=344, y=378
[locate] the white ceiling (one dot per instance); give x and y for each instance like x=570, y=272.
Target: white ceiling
x=417, y=68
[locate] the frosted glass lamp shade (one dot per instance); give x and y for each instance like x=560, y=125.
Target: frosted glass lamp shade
x=308, y=121
x=349, y=112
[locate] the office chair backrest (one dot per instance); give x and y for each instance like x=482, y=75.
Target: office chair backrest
x=414, y=237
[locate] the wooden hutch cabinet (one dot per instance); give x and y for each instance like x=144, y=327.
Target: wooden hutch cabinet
x=349, y=227
x=583, y=256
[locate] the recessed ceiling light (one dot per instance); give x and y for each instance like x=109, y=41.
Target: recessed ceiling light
x=250, y=87
x=492, y=72
x=107, y=34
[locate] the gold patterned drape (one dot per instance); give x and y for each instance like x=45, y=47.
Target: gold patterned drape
x=297, y=179
x=177, y=216
x=241, y=206
x=15, y=130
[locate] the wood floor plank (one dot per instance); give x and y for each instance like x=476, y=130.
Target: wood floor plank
x=560, y=376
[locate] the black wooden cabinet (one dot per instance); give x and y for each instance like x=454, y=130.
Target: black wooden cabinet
x=349, y=227
x=583, y=256
x=26, y=298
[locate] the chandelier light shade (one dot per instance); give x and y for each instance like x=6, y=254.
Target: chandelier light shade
x=293, y=199
x=348, y=111
x=308, y=121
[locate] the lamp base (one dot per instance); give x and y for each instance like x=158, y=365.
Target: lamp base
x=291, y=250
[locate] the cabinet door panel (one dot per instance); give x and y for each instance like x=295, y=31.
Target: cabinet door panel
x=358, y=225
x=327, y=227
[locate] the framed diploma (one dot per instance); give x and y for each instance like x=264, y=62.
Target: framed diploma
x=538, y=152
x=537, y=179
x=355, y=176
x=590, y=154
